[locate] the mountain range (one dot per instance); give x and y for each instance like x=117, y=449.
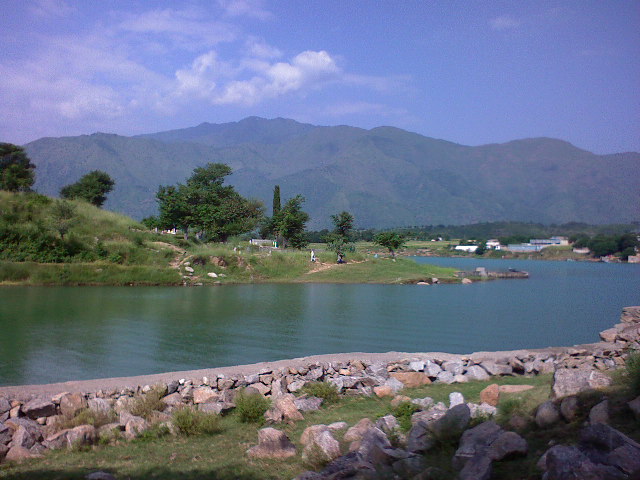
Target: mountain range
x=384, y=176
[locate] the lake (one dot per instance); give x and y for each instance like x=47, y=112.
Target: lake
x=53, y=334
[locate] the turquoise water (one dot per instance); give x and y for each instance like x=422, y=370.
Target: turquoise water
x=52, y=334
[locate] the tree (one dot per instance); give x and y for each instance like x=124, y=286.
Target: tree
x=16, y=170
x=63, y=215
x=343, y=223
x=390, y=240
x=290, y=223
x=206, y=205
x=92, y=187
x=276, y=200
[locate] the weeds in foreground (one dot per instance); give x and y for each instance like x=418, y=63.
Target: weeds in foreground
x=251, y=407
x=144, y=405
x=324, y=390
x=189, y=421
x=403, y=413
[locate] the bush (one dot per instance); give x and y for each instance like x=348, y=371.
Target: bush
x=251, y=407
x=510, y=406
x=403, y=413
x=87, y=417
x=144, y=405
x=190, y=421
x=327, y=391
x=630, y=375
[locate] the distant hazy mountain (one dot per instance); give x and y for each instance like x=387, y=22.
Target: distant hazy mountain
x=385, y=176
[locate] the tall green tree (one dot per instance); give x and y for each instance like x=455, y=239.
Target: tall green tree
x=343, y=225
x=205, y=205
x=392, y=241
x=290, y=223
x=276, y=201
x=92, y=187
x=16, y=170
x=63, y=216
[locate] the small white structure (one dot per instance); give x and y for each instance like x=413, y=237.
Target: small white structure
x=262, y=243
x=466, y=248
x=494, y=244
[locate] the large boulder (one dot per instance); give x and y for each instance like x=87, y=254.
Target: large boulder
x=320, y=447
x=476, y=441
x=562, y=462
x=356, y=432
x=272, y=443
x=490, y=395
x=71, y=437
x=571, y=381
x=72, y=403
x=547, y=414
x=283, y=409
x=451, y=425
x=23, y=438
x=39, y=408
x=476, y=372
x=412, y=379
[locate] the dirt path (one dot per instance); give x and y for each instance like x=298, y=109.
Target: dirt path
x=319, y=266
x=179, y=257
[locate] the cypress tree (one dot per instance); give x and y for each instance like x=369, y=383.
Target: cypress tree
x=276, y=200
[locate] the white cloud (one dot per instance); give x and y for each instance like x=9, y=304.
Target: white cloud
x=245, y=8
x=259, y=48
x=504, y=22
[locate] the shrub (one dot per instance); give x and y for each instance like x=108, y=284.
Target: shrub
x=403, y=413
x=327, y=391
x=146, y=404
x=251, y=407
x=190, y=421
x=87, y=417
x=630, y=376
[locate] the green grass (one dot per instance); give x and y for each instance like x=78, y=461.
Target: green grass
x=189, y=421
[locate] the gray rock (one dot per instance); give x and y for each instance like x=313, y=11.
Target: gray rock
x=173, y=399
x=445, y=377
x=476, y=372
x=432, y=369
x=475, y=441
x=217, y=408
x=395, y=384
x=5, y=406
x=295, y=386
x=600, y=413
x=410, y=466
x=494, y=368
x=72, y=403
x=417, y=366
x=272, y=443
x=569, y=463
x=39, y=408
x=625, y=458
x=99, y=476
x=508, y=444
x=376, y=449
x=451, y=424
x=349, y=466
x=19, y=454
x=453, y=367
x=23, y=438
x=135, y=426
x=356, y=432
x=455, y=398
x=3, y=451
x=420, y=439
x=569, y=408
x=388, y=424
x=71, y=437
x=98, y=405
x=605, y=438
x=634, y=406
x=424, y=403
x=172, y=387
x=484, y=410
x=378, y=370
x=478, y=467
x=314, y=375
x=547, y=414
x=308, y=404
x=321, y=447
x=5, y=434
x=571, y=381
x=32, y=426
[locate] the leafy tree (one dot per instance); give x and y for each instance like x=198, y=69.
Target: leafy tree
x=482, y=248
x=390, y=240
x=92, y=187
x=343, y=223
x=602, y=245
x=206, y=205
x=16, y=170
x=63, y=216
x=290, y=223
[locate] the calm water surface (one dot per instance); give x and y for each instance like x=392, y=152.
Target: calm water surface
x=52, y=334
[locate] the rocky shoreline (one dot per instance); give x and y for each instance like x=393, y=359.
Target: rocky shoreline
x=30, y=416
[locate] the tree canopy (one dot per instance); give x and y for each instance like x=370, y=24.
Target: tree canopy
x=16, y=170
x=92, y=187
x=390, y=240
x=343, y=223
x=204, y=204
x=290, y=223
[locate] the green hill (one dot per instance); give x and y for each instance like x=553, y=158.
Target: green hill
x=385, y=176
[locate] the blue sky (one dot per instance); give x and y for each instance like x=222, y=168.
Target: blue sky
x=465, y=71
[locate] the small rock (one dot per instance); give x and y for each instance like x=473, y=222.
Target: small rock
x=600, y=413
x=308, y=404
x=424, y=403
x=383, y=391
x=547, y=414
x=272, y=443
x=99, y=476
x=508, y=444
x=321, y=447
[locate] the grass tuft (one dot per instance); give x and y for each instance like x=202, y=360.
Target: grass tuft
x=189, y=421
x=324, y=390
